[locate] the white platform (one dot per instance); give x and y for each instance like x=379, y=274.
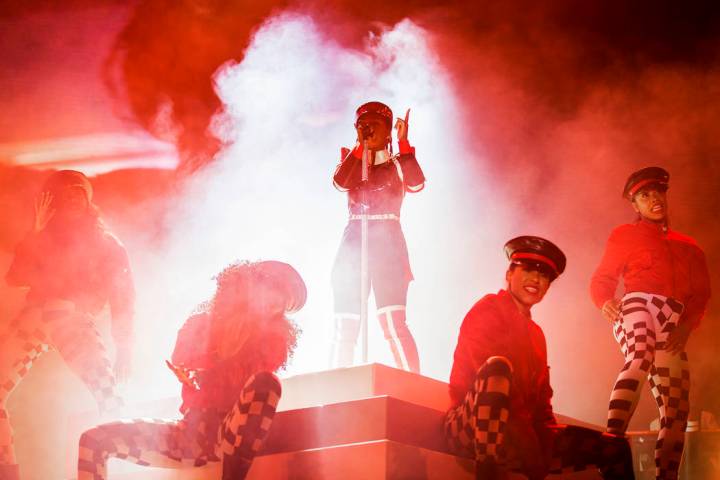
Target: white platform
x=367, y=422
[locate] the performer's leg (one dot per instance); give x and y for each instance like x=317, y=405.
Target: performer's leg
x=20, y=345
x=347, y=327
x=390, y=283
x=578, y=448
x=670, y=382
x=635, y=332
x=478, y=424
x=346, y=299
x=77, y=340
x=155, y=443
x=402, y=344
x=246, y=426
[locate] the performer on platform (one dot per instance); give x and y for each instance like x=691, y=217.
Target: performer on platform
x=225, y=357
x=73, y=266
x=500, y=383
x=379, y=200
x=667, y=287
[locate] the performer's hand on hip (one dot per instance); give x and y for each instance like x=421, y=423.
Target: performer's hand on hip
x=43, y=211
x=123, y=364
x=611, y=309
x=678, y=338
x=402, y=125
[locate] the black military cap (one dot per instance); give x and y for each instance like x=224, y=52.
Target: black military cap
x=537, y=252
x=659, y=177
x=378, y=108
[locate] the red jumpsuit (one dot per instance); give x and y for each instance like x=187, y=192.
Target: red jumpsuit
x=666, y=284
x=380, y=198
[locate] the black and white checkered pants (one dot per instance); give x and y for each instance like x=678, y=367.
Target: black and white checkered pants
x=54, y=324
x=642, y=329
x=477, y=427
x=198, y=438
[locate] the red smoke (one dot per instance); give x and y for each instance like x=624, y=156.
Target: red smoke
x=560, y=102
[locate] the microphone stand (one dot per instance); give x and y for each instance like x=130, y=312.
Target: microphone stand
x=364, y=281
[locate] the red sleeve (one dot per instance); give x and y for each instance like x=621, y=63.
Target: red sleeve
x=122, y=294
x=700, y=289
x=479, y=334
x=604, y=281
x=24, y=268
x=192, y=342
x=413, y=176
x=543, y=414
x=348, y=174
x=478, y=340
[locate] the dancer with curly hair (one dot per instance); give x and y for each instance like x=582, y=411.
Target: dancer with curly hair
x=225, y=357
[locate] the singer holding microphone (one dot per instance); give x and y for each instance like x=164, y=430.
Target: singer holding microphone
x=375, y=194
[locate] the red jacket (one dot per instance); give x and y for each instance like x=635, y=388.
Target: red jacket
x=652, y=261
x=89, y=268
x=495, y=326
x=221, y=380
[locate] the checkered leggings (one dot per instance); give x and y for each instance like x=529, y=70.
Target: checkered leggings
x=477, y=427
x=642, y=330
x=198, y=438
x=55, y=324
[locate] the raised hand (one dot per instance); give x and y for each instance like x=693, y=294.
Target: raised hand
x=401, y=126
x=43, y=211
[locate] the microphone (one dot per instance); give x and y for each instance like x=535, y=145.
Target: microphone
x=367, y=131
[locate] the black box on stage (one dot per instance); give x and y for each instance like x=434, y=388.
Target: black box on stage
x=701, y=459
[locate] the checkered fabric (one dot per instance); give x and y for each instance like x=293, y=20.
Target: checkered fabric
x=198, y=438
x=578, y=448
x=477, y=427
x=57, y=325
x=641, y=330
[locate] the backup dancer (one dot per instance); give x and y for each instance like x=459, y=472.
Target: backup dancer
x=667, y=287
x=377, y=201
x=73, y=266
x=501, y=410
x=225, y=357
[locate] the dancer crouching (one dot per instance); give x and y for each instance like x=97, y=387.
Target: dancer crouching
x=225, y=356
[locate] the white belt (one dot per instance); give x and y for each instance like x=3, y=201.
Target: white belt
x=379, y=216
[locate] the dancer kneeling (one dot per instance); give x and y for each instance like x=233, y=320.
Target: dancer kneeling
x=500, y=383
x=225, y=356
